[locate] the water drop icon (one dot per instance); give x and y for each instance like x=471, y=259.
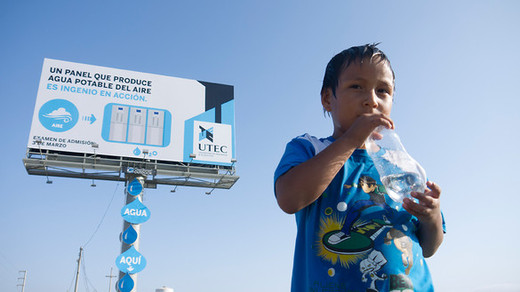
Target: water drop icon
x=126, y=284
x=137, y=151
x=135, y=187
x=129, y=235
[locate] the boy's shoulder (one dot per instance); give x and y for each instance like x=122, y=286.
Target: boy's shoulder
x=318, y=144
x=299, y=150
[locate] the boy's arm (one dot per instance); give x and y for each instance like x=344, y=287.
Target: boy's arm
x=428, y=212
x=304, y=183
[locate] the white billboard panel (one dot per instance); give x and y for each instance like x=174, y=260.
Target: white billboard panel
x=125, y=112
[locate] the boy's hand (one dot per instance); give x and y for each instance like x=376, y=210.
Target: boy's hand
x=364, y=125
x=428, y=211
x=428, y=208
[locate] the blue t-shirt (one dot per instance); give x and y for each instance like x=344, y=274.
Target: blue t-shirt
x=353, y=237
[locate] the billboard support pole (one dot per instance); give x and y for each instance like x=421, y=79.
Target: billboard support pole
x=129, y=177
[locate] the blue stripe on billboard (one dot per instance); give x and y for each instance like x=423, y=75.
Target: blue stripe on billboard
x=208, y=116
x=228, y=117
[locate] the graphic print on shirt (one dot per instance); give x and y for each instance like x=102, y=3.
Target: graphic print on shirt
x=400, y=283
x=355, y=237
x=346, y=238
x=402, y=243
x=370, y=266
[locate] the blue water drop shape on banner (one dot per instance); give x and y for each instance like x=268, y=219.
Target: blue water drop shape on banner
x=135, y=212
x=126, y=284
x=135, y=187
x=129, y=235
x=131, y=261
x=137, y=151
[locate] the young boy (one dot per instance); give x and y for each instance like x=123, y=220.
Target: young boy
x=351, y=235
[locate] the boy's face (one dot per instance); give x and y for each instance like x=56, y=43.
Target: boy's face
x=363, y=88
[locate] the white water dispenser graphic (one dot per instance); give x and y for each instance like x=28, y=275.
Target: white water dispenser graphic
x=118, y=123
x=155, y=127
x=136, y=125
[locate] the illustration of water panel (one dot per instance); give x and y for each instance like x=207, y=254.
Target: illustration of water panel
x=136, y=125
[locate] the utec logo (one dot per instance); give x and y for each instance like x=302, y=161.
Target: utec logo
x=207, y=134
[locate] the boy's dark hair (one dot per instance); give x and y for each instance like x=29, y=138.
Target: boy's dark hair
x=342, y=60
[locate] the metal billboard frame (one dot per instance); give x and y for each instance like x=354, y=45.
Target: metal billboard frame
x=47, y=163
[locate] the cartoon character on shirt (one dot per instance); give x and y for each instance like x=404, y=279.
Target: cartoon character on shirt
x=358, y=239
x=370, y=266
x=402, y=243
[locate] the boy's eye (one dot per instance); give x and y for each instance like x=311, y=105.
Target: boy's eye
x=383, y=90
x=355, y=86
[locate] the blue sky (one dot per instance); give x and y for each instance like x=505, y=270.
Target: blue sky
x=456, y=110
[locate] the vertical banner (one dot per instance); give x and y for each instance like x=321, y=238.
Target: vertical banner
x=131, y=261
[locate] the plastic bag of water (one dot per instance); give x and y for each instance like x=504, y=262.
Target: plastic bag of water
x=399, y=172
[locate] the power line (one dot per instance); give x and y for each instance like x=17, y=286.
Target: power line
x=87, y=280
x=6, y=260
x=8, y=270
x=73, y=278
x=110, y=279
x=104, y=215
x=76, y=272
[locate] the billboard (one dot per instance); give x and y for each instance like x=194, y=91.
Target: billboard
x=132, y=114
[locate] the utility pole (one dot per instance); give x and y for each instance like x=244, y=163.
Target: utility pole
x=22, y=278
x=110, y=279
x=77, y=273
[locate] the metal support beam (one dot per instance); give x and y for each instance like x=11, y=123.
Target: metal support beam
x=92, y=167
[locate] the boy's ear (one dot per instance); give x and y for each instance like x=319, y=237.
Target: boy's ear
x=326, y=96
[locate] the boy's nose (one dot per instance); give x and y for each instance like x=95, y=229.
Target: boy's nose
x=371, y=99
